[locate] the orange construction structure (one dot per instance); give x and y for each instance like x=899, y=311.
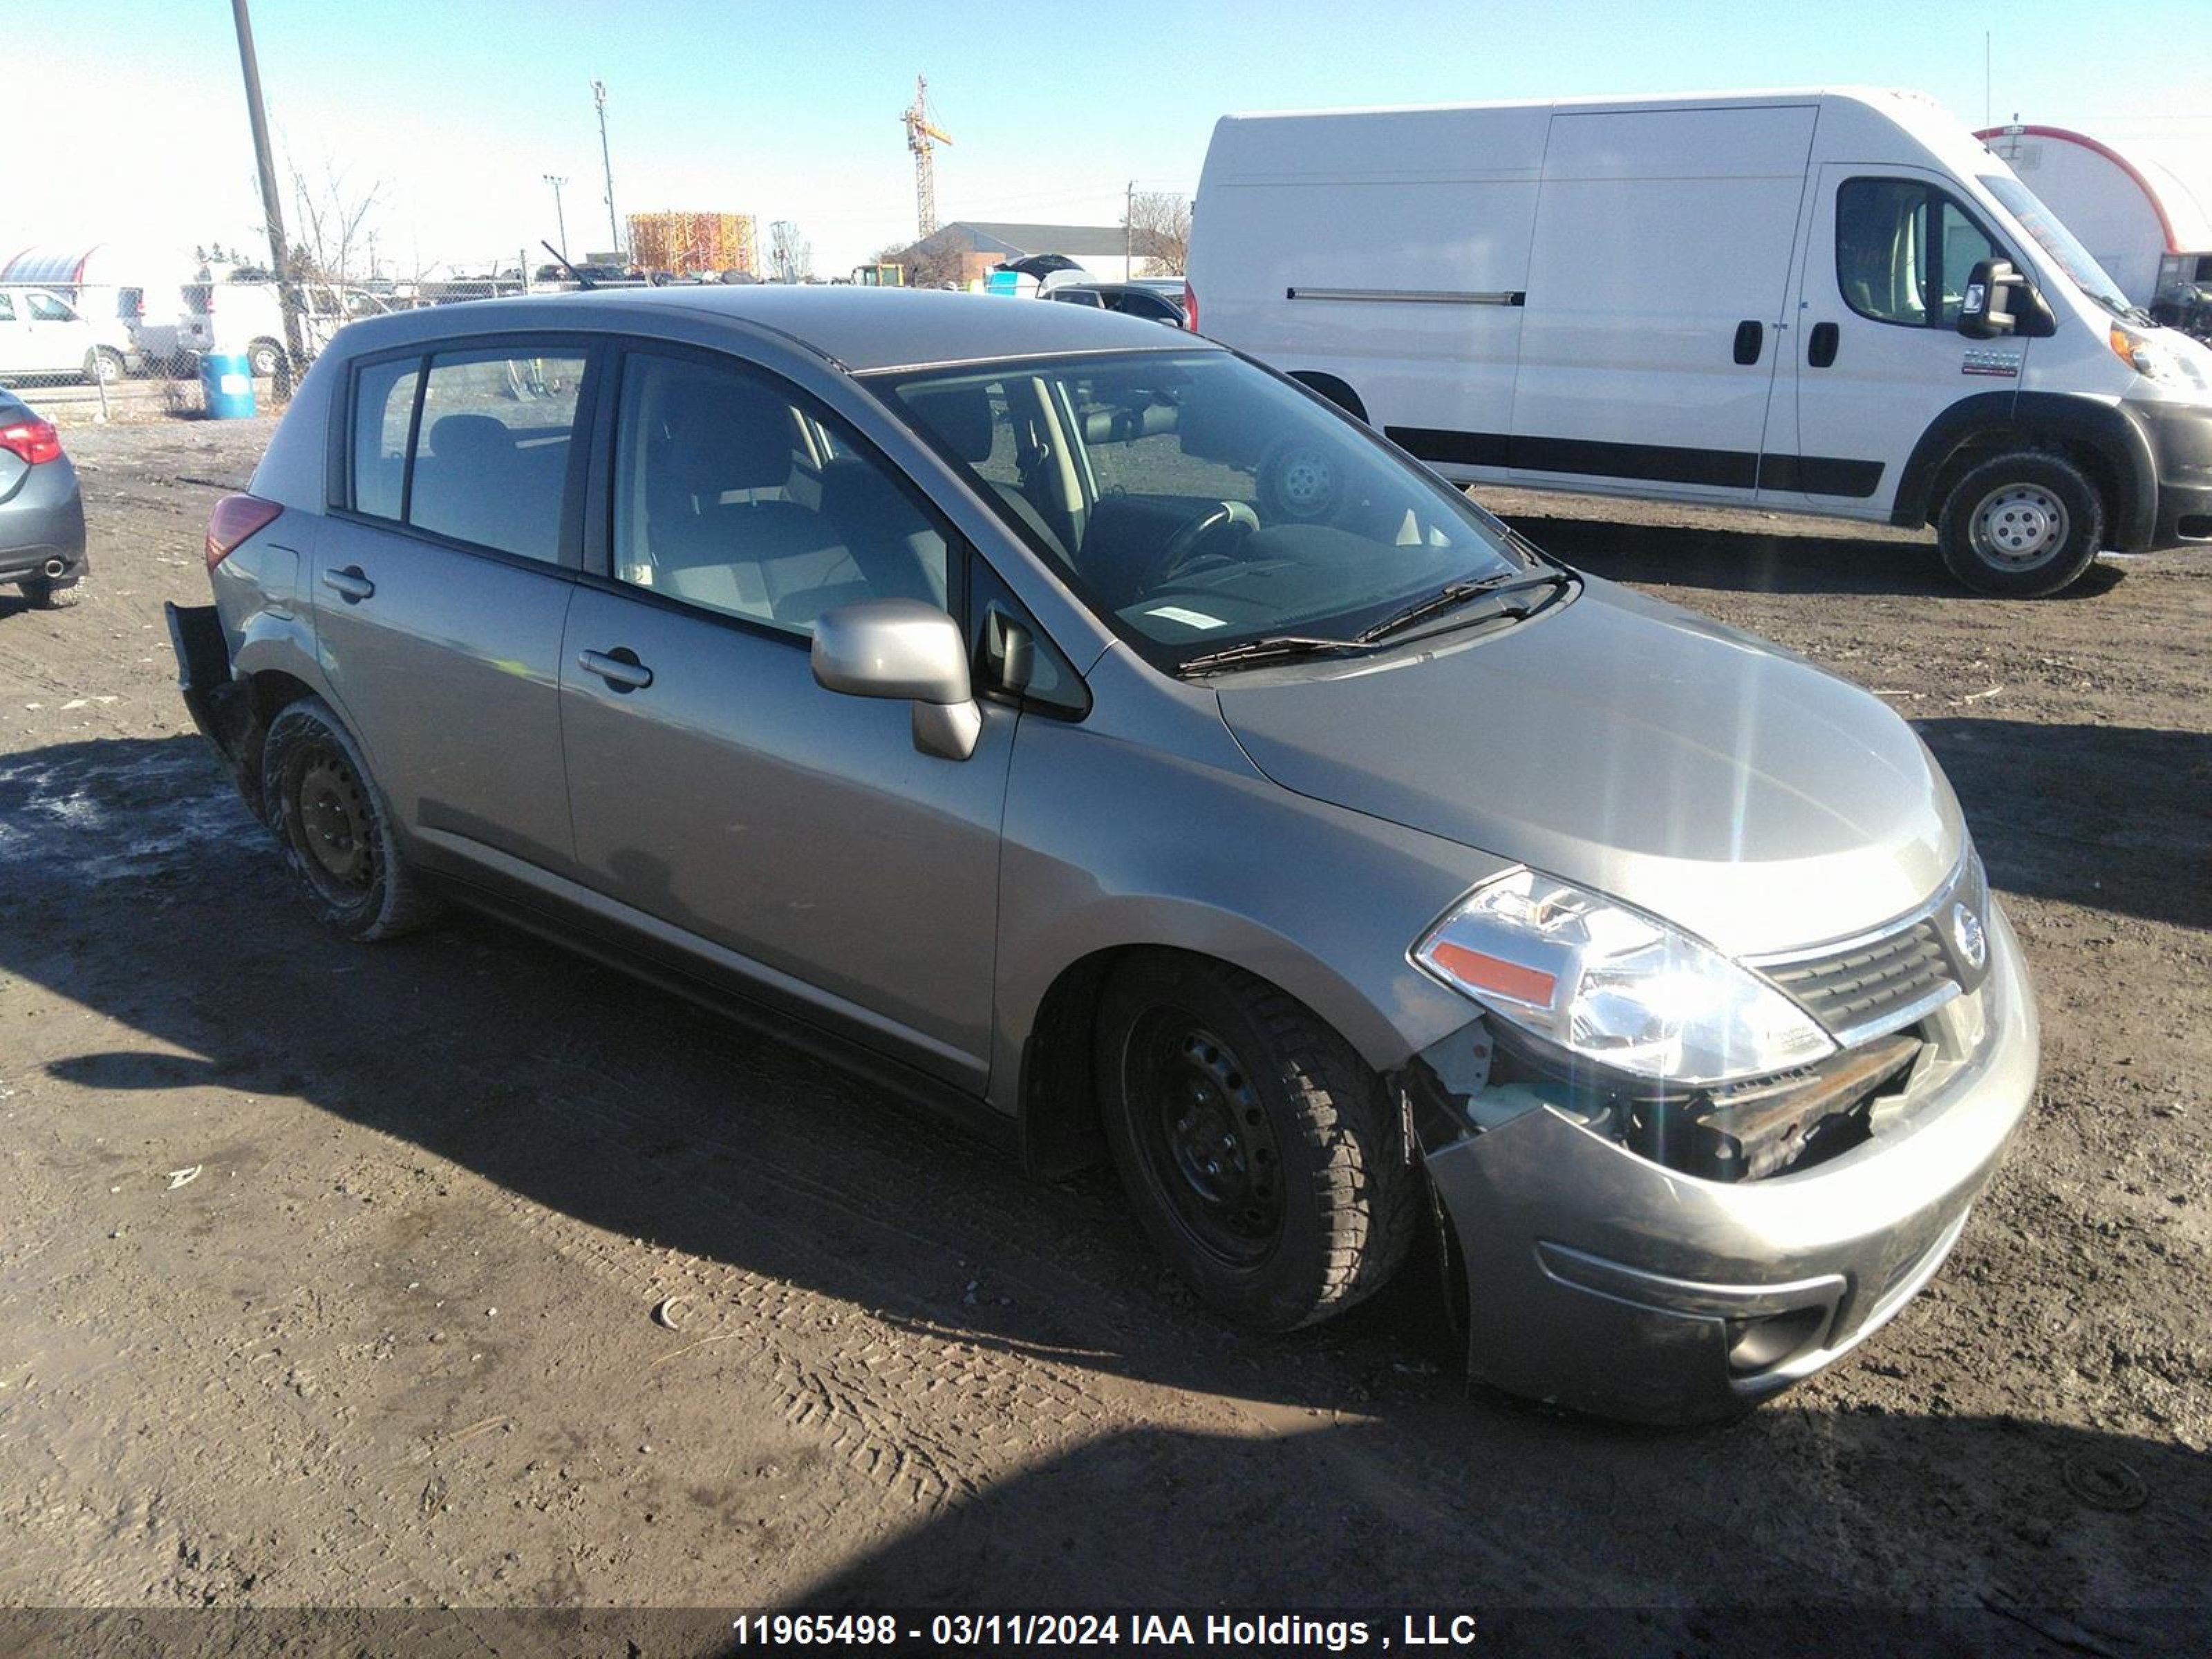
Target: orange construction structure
x=685, y=243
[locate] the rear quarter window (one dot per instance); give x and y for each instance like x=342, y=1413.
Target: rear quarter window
x=383, y=416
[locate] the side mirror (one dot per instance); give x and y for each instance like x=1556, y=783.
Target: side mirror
x=903, y=648
x=1986, y=310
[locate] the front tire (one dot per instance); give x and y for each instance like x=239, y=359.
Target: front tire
x=104, y=365
x=263, y=357
x=2023, y=525
x=1263, y=1156
x=336, y=827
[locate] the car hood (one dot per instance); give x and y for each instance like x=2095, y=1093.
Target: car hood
x=1698, y=773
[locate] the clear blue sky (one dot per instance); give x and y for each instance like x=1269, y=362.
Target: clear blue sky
x=789, y=111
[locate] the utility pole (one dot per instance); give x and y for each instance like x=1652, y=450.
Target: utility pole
x=560, y=219
x=272, y=203
x=1129, y=231
x=606, y=160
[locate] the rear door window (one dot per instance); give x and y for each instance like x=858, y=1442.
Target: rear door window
x=492, y=448
x=383, y=420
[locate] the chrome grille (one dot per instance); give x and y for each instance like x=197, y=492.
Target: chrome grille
x=1871, y=986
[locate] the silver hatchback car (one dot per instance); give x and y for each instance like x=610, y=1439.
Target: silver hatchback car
x=1091, y=733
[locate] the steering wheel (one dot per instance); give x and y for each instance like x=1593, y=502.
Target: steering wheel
x=1188, y=547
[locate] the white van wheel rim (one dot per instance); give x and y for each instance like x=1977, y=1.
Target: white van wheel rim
x=2021, y=526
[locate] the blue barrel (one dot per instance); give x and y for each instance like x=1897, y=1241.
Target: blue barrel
x=227, y=382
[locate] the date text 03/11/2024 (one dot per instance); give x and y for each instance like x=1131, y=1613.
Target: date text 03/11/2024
x=1418, y=1631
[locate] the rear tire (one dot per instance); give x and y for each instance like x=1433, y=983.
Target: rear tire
x=336, y=827
x=1263, y=1156
x=263, y=357
x=2022, y=525
x=46, y=595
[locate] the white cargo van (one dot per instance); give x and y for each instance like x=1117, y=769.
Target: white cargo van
x=1821, y=302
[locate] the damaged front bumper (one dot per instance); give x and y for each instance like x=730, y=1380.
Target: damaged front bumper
x=1599, y=1279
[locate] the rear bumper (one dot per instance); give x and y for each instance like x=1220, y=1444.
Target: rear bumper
x=221, y=706
x=1600, y=1280
x=43, y=523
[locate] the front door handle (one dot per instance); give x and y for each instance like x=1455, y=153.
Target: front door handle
x=619, y=668
x=349, y=583
x=1820, y=344
x=1750, y=336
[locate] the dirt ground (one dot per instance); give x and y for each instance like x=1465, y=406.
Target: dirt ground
x=328, y=1275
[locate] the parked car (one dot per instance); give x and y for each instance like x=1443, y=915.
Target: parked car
x=1143, y=300
x=41, y=333
x=1637, y=298
x=1103, y=739
x=248, y=317
x=41, y=510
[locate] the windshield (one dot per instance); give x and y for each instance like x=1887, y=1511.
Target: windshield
x=2068, y=255
x=1195, y=501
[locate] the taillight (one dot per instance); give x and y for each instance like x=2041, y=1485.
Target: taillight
x=31, y=441
x=236, y=517
x=1190, y=307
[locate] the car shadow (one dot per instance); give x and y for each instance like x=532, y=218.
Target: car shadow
x=2063, y=812
x=1897, y=1529
x=1736, y=561
x=1364, y=1467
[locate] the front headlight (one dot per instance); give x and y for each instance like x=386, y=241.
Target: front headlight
x=1614, y=985
x=2151, y=358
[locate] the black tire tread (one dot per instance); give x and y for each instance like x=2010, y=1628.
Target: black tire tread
x=404, y=902
x=1368, y=1199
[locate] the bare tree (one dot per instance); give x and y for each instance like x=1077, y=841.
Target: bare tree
x=1158, y=227
x=330, y=236
x=931, y=263
x=791, y=256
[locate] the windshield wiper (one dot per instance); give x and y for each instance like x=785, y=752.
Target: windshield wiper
x=1267, y=649
x=1452, y=595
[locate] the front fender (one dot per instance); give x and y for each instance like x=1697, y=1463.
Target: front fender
x=1110, y=845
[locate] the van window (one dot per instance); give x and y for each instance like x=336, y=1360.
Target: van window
x=1904, y=250
x=720, y=500
x=44, y=308
x=383, y=409
x=490, y=461
x=7, y=309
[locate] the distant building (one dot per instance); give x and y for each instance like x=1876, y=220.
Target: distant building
x=970, y=248
x=684, y=243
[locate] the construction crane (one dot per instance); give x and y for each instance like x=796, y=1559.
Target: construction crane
x=922, y=136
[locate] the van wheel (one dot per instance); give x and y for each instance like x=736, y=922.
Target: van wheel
x=1263, y=1156
x=103, y=364
x=263, y=357
x=335, y=827
x=2023, y=525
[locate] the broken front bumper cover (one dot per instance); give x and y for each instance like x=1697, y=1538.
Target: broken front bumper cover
x=1600, y=1280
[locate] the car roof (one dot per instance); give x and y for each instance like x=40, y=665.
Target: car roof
x=862, y=329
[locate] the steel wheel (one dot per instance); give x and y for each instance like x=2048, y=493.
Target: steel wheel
x=336, y=826
x=1208, y=1146
x=2020, y=527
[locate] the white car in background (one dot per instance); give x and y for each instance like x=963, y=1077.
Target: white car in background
x=41, y=333
x=247, y=318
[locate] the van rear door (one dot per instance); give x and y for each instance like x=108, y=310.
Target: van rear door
x=1878, y=354
x=1657, y=286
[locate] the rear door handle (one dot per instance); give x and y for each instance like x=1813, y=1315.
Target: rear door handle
x=619, y=668
x=1820, y=344
x=1750, y=336
x=349, y=583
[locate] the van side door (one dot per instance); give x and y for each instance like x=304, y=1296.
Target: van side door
x=441, y=578
x=1657, y=284
x=1878, y=354
x=794, y=836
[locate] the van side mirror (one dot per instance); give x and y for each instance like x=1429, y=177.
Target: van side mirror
x=903, y=648
x=1985, y=309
